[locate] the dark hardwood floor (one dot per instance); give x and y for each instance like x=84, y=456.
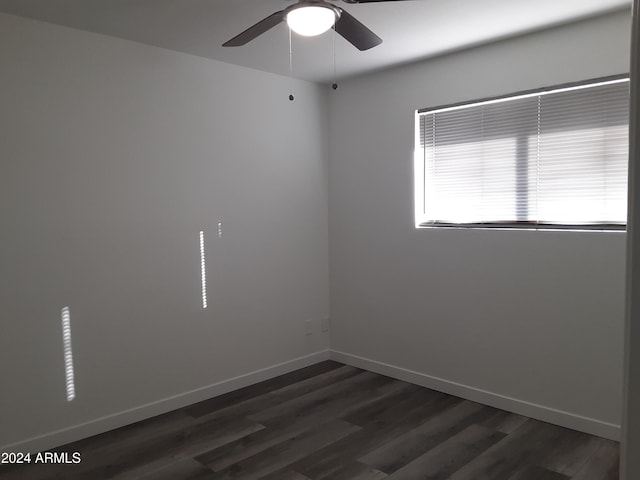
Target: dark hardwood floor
x=335, y=422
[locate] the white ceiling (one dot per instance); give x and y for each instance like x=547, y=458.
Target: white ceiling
x=411, y=30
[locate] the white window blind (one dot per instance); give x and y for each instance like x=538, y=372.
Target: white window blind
x=556, y=158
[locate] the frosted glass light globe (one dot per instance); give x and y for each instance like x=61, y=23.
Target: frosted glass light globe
x=311, y=20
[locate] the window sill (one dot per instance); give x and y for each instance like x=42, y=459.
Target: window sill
x=525, y=226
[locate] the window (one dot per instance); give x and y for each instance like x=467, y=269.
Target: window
x=550, y=159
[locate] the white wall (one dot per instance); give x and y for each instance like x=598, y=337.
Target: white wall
x=114, y=155
x=531, y=321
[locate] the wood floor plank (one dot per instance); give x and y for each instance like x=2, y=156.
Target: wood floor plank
x=529, y=444
x=246, y=393
x=285, y=474
x=533, y=472
x=250, y=445
x=602, y=465
x=390, y=407
x=185, y=469
x=571, y=452
x=412, y=410
x=35, y=471
x=287, y=452
x=161, y=451
x=329, y=386
x=449, y=456
x=351, y=390
x=398, y=419
x=353, y=471
x=327, y=383
x=338, y=407
x=504, y=422
x=278, y=396
x=399, y=452
x=108, y=446
x=254, y=443
x=134, y=433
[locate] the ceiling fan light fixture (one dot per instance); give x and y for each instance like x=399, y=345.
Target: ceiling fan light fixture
x=311, y=20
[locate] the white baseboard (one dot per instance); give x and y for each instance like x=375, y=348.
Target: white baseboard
x=116, y=420
x=120, y=419
x=539, y=412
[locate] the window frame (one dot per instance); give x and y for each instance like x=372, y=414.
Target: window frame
x=420, y=194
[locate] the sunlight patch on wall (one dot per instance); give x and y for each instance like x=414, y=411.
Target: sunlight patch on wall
x=68, y=354
x=203, y=272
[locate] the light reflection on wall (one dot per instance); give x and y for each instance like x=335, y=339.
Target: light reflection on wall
x=68, y=354
x=203, y=272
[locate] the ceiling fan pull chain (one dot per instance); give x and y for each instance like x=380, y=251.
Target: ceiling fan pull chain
x=335, y=75
x=290, y=68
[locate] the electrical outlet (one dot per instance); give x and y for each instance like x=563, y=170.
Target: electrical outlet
x=308, y=327
x=325, y=324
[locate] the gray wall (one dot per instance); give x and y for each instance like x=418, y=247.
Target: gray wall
x=114, y=155
x=528, y=320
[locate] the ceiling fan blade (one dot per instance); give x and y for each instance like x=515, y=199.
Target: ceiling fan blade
x=256, y=30
x=355, y=32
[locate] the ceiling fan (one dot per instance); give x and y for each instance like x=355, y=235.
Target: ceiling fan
x=311, y=18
